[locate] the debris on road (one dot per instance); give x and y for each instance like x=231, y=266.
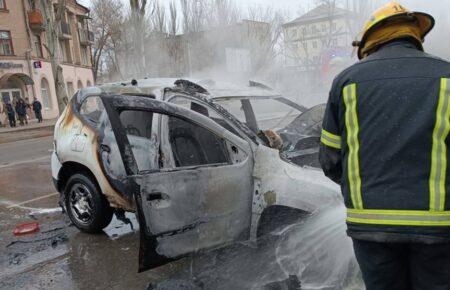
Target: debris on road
x=25, y=229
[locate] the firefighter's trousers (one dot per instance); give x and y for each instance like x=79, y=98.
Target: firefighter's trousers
x=403, y=266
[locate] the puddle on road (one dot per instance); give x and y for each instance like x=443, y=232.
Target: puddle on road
x=28, y=251
x=315, y=253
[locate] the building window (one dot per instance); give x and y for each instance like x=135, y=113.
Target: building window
x=84, y=56
x=45, y=94
x=2, y=5
x=6, y=47
x=314, y=44
x=293, y=33
x=323, y=27
x=70, y=89
x=65, y=51
x=38, y=46
x=333, y=26
x=334, y=42
x=304, y=31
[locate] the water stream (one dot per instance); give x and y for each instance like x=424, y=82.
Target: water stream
x=319, y=252
x=316, y=252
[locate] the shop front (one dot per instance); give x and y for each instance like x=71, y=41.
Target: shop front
x=14, y=86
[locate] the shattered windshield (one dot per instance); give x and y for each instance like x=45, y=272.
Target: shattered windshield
x=269, y=113
x=273, y=114
x=298, y=128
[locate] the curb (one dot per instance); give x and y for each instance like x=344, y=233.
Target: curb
x=25, y=129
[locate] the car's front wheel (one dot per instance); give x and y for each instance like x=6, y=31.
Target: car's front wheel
x=86, y=207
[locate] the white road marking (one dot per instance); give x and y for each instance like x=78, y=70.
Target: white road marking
x=31, y=200
x=24, y=162
x=32, y=210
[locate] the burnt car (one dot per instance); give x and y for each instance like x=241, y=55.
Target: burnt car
x=202, y=163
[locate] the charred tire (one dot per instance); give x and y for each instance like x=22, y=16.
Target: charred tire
x=86, y=207
x=274, y=219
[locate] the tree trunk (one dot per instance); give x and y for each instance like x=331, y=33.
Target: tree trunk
x=52, y=23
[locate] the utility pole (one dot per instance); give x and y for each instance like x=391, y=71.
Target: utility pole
x=53, y=23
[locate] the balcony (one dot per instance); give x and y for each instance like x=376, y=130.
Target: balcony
x=86, y=37
x=36, y=21
x=64, y=31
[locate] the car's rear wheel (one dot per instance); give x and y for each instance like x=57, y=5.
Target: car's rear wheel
x=86, y=207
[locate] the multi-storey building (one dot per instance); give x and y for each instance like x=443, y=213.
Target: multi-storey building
x=315, y=35
x=25, y=68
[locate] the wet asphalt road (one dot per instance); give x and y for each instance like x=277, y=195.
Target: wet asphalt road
x=61, y=257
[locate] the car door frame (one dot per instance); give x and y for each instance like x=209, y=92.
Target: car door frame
x=115, y=103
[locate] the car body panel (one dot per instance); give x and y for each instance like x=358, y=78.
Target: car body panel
x=190, y=208
x=76, y=141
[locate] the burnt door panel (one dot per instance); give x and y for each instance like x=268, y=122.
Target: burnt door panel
x=189, y=210
x=182, y=210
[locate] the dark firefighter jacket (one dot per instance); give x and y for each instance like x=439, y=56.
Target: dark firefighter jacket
x=384, y=140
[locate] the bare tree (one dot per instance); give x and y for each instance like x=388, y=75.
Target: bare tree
x=173, y=18
x=194, y=15
x=265, y=35
x=137, y=18
x=107, y=20
x=222, y=13
x=173, y=44
x=53, y=21
x=159, y=18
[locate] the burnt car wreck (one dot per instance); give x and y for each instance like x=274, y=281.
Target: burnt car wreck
x=203, y=164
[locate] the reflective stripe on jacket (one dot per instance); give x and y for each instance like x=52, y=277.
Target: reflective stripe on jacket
x=385, y=140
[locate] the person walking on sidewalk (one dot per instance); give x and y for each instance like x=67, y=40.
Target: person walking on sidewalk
x=21, y=110
x=11, y=114
x=385, y=141
x=2, y=113
x=37, y=108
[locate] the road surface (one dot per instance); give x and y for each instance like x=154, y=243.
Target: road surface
x=25, y=150
x=61, y=257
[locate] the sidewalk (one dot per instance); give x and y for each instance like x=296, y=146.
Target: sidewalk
x=32, y=125
x=30, y=131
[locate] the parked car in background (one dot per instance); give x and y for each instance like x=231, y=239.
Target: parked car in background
x=202, y=163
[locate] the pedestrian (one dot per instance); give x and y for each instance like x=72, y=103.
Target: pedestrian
x=2, y=113
x=384, y=140
x=37, y=108
x=11, y=114
x=28, y=106
x=21, y=110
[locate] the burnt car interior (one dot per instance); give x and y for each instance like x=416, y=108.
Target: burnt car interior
x=193, y=145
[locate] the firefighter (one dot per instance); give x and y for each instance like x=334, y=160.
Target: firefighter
x=385, y=141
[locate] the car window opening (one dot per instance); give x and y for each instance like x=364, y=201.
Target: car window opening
x=193, y=145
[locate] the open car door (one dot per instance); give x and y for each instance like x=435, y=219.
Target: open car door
x=190, y=177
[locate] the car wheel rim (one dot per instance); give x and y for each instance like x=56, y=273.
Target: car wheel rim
x=81, y=203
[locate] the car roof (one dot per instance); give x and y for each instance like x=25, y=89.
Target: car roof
x=210, y=88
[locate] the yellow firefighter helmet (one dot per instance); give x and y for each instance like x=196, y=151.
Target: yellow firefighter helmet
x=391, y=12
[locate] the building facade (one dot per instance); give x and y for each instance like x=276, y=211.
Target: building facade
x=25, y=68
x=317, y=35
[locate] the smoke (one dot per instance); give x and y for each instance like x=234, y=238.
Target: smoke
x=236, y=41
